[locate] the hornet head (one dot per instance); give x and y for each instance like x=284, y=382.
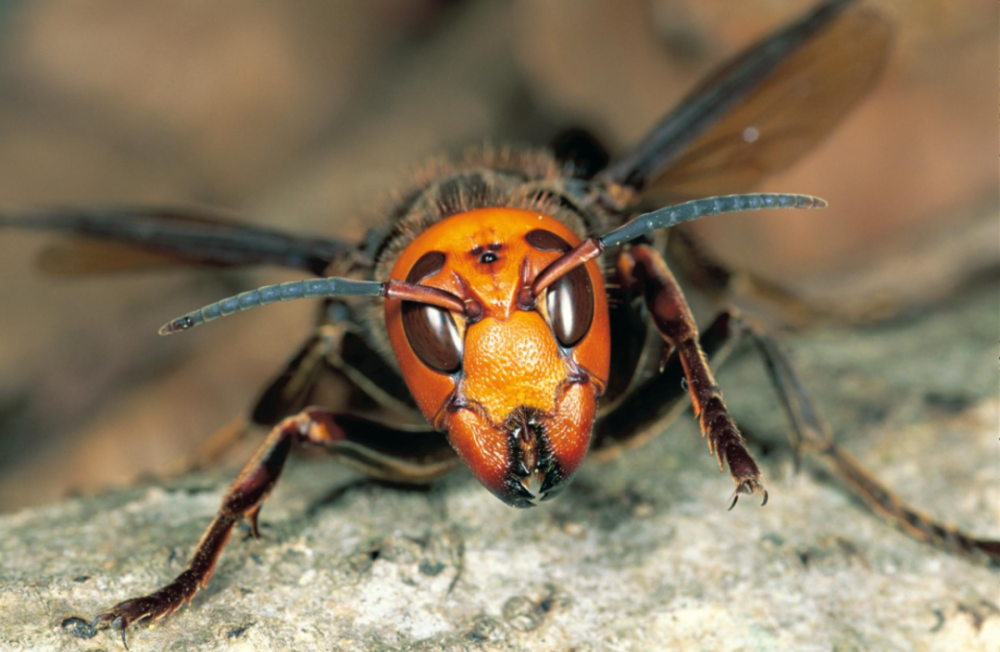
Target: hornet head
x=513, y=379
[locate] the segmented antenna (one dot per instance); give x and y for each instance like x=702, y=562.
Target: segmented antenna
x=324, y=288
x=317, y=288
x=692, y=210
x=666, y=217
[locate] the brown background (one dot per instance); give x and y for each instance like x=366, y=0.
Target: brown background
x=299, y=114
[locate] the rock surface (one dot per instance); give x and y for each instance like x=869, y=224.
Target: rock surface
x=639, y=554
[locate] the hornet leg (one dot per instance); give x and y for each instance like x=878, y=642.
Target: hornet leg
x=811, y=434
x=673, y=319
x=243, y=499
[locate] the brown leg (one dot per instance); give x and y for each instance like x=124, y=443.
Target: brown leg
x=243, y=499
x=640, y=417
x=811, y=434
x=673, y=319
x=650, y=408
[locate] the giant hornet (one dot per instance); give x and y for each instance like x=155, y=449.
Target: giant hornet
x=528, y=316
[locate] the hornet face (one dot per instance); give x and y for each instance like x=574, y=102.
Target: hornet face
x=515, y=386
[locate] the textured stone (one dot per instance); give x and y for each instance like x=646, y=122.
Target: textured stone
x=639, y=554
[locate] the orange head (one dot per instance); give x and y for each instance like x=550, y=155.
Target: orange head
x=515, y=386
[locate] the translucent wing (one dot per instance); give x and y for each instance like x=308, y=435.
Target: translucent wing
x=127, y=240
x=761, y=111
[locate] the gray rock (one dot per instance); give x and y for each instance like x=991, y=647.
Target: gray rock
x=639, y=554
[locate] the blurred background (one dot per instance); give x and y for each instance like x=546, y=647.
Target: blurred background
x=302, y=115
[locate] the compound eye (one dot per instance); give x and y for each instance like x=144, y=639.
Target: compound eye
x=570, y=303
x=431, y=331
x=570, y=300
x=433, y=336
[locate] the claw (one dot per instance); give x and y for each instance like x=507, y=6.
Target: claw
x=122, y=615
x=102, y=621
x=109, y=619
x=252, y=517
x=748, y=486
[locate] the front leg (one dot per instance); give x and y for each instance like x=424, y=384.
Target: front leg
x=675, y=322
x=243, y=499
